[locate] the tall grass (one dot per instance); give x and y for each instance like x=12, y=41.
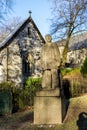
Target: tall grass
x=76, y=83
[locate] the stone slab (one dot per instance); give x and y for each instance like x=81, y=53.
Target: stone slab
x=48, y=110
x=50, y=92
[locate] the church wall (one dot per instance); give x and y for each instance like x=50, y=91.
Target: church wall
x=26, y=42
x=14, y=64
x=3, y=62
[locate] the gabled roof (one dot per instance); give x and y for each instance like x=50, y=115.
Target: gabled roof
x=12, y=35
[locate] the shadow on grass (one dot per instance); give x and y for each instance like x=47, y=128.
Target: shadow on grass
x=82, y=121
x=16, y=121
x=27, y=117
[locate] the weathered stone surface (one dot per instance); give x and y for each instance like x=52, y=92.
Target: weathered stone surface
x=55, y=78
x=48, y=93
x=47, y=80
x=50, y=56
x=3, y=61
x=50, y=79
x=48, y=103
x=50, y=61
x=77, y=57
x=48, y=110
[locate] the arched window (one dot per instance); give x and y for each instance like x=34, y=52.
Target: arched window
x=26, y=67
x=30, y=60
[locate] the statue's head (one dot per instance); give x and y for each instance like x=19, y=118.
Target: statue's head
x=48, y=38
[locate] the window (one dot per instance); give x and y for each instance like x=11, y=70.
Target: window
x=29, y=32
x=26, y=68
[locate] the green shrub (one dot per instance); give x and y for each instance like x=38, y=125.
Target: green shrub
x=84, y=68
x=26, y=96
x=65, y=71
x=10, y=87
x=6, y=85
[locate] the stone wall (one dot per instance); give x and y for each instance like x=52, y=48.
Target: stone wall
x=14, y=57
x=3, y=62
x=77, y=49
x=77, y=57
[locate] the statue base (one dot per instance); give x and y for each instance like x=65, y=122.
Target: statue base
x=49, y=107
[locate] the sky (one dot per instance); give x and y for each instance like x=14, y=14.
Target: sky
x=41, y=13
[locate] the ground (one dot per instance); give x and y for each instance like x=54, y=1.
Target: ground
x=76, y=118
x=16, y=121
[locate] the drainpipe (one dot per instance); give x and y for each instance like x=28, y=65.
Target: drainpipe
x=7, y=62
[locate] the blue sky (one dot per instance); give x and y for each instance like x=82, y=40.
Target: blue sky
x=41, y=12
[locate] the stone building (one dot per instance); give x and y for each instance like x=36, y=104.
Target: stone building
x=20, y=53
x=77, y=49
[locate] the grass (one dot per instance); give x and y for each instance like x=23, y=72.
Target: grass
x=16, y=121
x=76, y=117
x=70, y=71
x=74, y=81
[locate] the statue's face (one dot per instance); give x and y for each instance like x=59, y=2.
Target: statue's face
x=48, y=38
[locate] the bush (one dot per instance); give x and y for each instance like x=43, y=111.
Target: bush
x=10, y=87
x=26, y=96
x=74, y=82
x=65, y=71
x=6, y=86
x=74, y=86
x=84, y=68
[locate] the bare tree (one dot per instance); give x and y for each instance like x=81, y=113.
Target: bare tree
x=5, y=7
x=9, y=27
x=70, y=16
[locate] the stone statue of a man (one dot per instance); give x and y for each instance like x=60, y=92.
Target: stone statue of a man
x=50, y=61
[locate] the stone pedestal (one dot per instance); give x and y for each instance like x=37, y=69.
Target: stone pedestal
x=49, y=107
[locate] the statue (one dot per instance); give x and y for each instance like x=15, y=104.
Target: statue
x=50, y=99
x=50, y=62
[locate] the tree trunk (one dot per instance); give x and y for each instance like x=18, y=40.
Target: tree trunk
x=64, y=55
